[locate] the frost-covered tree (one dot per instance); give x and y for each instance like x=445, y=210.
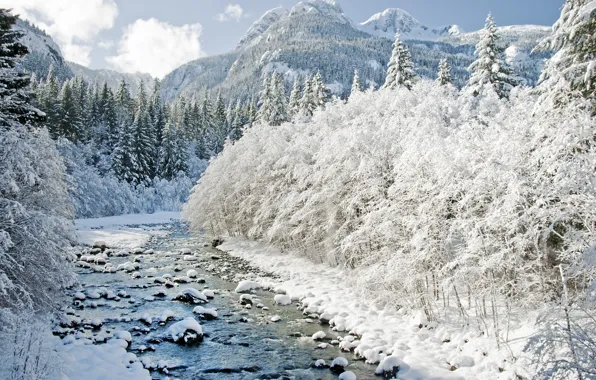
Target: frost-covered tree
x=34, y=204
x=308, y=102
x=265, y=101
x=279, y=103
x=356, y=86
x=320, y=91
x=444, y=74
x=69, y=122
x=172, y=154
x=571, y=73
x=124, y=160
x=400, y=72
x=295, y=95
x=220, y=125
x=490, y=71
x=238, y=122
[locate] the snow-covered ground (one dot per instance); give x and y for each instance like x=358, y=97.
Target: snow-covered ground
x=436, y=351
x=122, y=231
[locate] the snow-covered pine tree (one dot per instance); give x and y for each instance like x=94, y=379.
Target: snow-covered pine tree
x=264, y=105
x=124, y=162
x=571, y=73
x=279, y=102
x=356, y=86
x=125, y=103
x=444, y=74
x=238, y=122
x=294, y=106
x=49, y=101
x=490, y=70
x=308, y=103
x=69, y=122
x=34, y=203
x=204, y=151
x=400, y=72
x=320, y=91
x=172, y=153
x=220, y=125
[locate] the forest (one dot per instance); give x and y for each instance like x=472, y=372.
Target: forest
x=474, y=205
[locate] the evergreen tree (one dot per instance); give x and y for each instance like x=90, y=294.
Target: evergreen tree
x=238, y=122
x=320, y=91
x=220, y=125
x=264, y=113
x=125, y=104
x=204, y=151
x=294, y=106
x=69, y=123
x=490, y=70
x=109, y=118
x=124, y=163
x=308, y=103
x=401, y=68
x=50, y=101
x=14, y=92
x=279, y=103
x=444, y=74
x=571, y=73
x=172, y=153
x=356, y=86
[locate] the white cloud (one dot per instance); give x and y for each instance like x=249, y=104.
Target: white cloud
x=232, y=12
x=156, y=47
x=107, y=45
x=72, y=23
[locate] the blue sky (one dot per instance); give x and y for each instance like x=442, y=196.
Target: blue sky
x=156, y=36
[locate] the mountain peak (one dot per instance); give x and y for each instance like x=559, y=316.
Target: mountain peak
x=326, y=8
x=260, y=26
x=395, y=20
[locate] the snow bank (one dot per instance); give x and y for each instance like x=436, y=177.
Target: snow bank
x=115, y=231
x=100, y=362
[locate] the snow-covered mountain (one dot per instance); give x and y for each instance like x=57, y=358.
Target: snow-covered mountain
x=394, y=21
x=316, y=35
x=43, y=52
x=522, y=36
x=111, y=77
x=260, y=26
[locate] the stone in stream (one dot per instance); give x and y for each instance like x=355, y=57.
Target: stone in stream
x=191, y=295
x=187, y=331
x=338, y=365
x=246, y=299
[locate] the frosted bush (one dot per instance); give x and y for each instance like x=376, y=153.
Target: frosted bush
x=429, y=194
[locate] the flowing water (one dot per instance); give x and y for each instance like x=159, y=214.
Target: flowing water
x=240, y=344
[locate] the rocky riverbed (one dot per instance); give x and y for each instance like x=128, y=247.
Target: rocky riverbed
x=187, y=310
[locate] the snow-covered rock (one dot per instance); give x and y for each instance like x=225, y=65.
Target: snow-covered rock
x=205, y=312
x=191, y=295
x=186, y=331
x=348, y=375
x=339, y=364
x=283, y=300
x=246, y=286
x=320, y=335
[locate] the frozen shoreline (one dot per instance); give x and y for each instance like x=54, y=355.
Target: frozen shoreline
x=444, y=350
x=116, y=231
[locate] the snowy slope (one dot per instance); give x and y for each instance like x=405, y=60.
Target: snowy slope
x=257, y=30
x=522, y=36
x=394, y=20
x=112, y=78
x=43, y=52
